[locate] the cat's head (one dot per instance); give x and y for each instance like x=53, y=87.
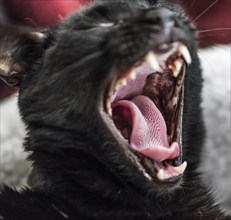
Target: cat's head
x=118, y=75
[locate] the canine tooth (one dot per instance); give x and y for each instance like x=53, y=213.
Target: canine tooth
x=180, y=169
x=150, y=58
x=176, y=68
x=160, y=175
x=185, y=53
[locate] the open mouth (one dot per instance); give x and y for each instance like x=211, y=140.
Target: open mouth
x=146, y=106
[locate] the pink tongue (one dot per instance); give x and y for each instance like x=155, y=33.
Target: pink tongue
x=148, y=128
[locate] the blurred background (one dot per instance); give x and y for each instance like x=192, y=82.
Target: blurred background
x=213, y=20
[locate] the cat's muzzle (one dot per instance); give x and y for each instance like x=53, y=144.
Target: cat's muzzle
x=145, y=100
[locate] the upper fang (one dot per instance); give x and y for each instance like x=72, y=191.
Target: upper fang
x=185, y=53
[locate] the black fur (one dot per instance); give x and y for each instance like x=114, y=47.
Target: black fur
x=81, y=170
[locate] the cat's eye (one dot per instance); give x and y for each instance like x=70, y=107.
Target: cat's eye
x=108, y=24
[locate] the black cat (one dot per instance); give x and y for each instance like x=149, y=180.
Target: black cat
x=111, y=100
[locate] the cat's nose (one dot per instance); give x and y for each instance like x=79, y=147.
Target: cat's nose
x=160, y=19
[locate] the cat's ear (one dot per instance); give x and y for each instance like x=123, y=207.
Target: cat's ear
x=19, y=49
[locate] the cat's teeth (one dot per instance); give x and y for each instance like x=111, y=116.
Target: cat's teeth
x=161, y=175
x=122, y=82
x=108, y=106
x=118, y=85
x=180, y=169
x=185, y=53
x=151, y=59
x=177, y=65
x=132, y=75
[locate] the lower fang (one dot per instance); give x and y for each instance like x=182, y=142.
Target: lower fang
x=180, y=169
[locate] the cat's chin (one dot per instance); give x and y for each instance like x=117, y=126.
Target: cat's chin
x=143, y=108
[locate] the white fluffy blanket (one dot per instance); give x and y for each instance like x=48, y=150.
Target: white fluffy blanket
x=216, y=104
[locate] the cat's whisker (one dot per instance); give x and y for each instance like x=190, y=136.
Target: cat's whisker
x=214, y=29
x=205, y=10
